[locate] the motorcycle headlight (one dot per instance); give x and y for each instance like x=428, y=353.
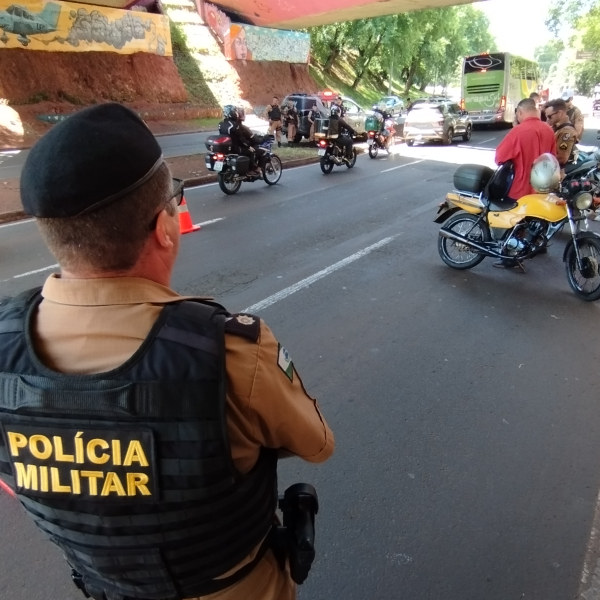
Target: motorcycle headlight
x=583, y=200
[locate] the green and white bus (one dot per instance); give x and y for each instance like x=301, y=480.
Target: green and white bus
x=493, y=84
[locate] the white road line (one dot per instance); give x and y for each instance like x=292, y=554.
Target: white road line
x=402, y=166
x=292, y=289
x=486, y=141
x=16, y=223
x=209, y=222
x=475, y=147
x=30, y=273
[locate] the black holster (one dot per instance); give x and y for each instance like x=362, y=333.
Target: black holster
x=295, y=540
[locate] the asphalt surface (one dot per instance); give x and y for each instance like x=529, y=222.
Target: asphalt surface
x=465, y=404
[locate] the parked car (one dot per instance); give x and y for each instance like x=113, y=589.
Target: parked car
x=441, y=121
x=355, y=115
x=394, y=104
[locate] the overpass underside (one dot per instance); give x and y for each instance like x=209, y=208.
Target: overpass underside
x=298, y=14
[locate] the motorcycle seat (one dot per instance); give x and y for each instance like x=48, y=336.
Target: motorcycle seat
x=584, y=167
x=499, y=205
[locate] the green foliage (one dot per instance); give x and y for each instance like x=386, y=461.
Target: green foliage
x=548, y=55
x=422, y=47
x=189, y=71
x=581, y=20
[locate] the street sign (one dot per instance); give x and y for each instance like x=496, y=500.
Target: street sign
x=584, y=55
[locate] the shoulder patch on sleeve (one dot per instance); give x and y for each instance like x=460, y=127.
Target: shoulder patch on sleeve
x=284, y=362
x=566, y=137
x=563, y=146
x=244, y=325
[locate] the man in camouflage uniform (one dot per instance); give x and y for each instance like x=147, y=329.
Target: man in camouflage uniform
x=566, y=134
x=574, y=114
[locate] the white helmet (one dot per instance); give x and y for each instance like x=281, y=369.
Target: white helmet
x=382, y=106
x=545, y=174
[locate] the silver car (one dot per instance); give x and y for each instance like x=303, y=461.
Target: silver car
x=441, y=121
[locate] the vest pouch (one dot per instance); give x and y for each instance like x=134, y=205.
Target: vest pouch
x=139, y=573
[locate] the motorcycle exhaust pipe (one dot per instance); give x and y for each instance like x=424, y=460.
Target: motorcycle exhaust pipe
x=467, y=242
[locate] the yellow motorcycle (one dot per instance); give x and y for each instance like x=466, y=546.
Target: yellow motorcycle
x=479, y=222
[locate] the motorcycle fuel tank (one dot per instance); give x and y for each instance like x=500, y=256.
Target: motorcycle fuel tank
x=538, y=206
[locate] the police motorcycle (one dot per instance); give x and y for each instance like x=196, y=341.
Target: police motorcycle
x=376, y=139
x=479, y=222
x=233, y=169
x=332, y=153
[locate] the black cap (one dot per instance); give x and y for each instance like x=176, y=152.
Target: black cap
x=87, y=161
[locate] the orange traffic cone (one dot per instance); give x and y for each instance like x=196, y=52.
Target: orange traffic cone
x=185, y=220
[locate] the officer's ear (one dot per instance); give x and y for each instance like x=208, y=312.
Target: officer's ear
x=167, y=226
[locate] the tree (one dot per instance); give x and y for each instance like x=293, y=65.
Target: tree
x=548, y=55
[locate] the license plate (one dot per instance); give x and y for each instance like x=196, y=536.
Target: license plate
x=219, y=165
x=322, y=151
x=371, y=141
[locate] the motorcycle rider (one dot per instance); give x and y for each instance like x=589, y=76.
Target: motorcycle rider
x=243, y=139
x=273, y=114
x=385, y=115
x=339, y=126
x=574, y=114
x=564, y=131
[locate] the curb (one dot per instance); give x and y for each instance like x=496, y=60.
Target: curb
x=19, y=215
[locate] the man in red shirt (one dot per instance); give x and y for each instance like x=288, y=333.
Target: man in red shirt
x=523, y=145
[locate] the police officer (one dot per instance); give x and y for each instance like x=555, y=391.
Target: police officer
x=273, y=113
x=244, y=141
x=140, y=428
x=575, y=115
x=313, y=115
x=291, y=120
x=565, y=133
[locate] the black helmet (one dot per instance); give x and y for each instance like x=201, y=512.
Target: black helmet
x=335, y=110
x=231, y=112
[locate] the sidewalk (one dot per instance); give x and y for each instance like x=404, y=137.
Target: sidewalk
x=189, y=168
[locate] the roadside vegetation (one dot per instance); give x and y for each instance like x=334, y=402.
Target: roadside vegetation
x=576, y=27
x=403, y=53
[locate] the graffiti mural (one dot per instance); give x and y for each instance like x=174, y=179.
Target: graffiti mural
x=246, y=42
x=68, y=27
x=217, y=21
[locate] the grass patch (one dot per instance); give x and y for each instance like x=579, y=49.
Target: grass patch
x=286, y=153
x=205, y=124
x=368, y=91
x=189, y=71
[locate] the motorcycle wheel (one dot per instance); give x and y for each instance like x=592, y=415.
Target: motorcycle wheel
x=353, y=161
x=457, y=255
x=326, y=165
x=272, y=170
x=228, y=186
x=373, y=151
x=585, y=282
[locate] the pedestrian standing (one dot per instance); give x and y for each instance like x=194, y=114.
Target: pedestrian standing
x=291, y=121
x=145, y=441
x=273, y=114
x=313, y=115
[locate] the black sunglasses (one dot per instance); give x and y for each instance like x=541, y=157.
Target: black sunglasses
x=178, y=189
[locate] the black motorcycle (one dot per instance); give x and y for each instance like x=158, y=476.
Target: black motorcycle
x=233, y=169
x=333, y=155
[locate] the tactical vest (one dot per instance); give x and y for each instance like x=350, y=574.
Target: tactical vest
x=275, y=113
x=130, y=471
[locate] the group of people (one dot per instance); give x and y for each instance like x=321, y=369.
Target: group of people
x=278, y=116
x=553, y=127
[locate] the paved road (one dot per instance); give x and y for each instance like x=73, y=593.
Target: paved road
x=465, y=404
